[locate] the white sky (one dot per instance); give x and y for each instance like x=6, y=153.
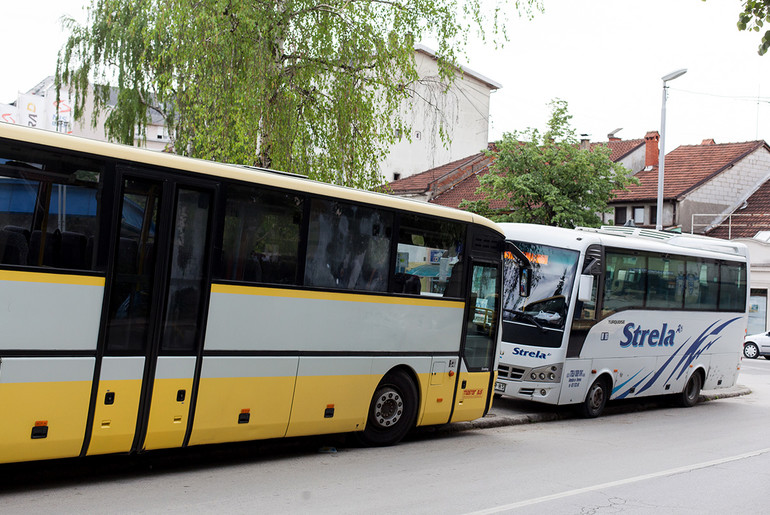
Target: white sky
x=604, y=57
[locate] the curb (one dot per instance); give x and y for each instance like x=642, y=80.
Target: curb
x=492, y=420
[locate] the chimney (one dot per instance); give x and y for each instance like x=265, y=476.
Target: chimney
x=611, y=136
x=585, y=142
x=708, y=142
x=651, y=150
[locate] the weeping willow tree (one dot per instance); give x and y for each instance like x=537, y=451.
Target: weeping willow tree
x=307, y=86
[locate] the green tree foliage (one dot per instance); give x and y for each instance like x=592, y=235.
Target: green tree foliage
x=548, y=179
x=307, y=86
x=755, y=14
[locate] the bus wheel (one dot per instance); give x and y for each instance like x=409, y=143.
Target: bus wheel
x=596, y=399
x=689, y=396
x=392, y=412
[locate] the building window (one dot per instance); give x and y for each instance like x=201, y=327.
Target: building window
x=653, y=215
x=620, y=215
x=757, y=311
x=639, y=215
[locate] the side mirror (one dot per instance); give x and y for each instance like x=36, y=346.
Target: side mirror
x=585, y=288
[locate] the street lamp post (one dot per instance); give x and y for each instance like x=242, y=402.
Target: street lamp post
x=662, y=159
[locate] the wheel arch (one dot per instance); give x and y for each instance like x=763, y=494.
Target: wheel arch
x=413, y=376
x=607, y=377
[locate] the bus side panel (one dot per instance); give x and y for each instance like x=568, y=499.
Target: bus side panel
x=248, y=318
x=70, y=307
x=44, y=407
x=243, y=398
x=472, y=394
x=723, y=372
x=170, y=405
x=437, y=391
x=332, y=395
x=117, y=404
x=575, y=380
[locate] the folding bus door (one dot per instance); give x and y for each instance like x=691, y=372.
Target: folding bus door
x=480, y=343
x=155, y=316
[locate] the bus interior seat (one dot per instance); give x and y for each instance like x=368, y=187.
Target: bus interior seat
x=407, y=283
x=51, y=247
x=20, y=230
x=13, y=248
x=128, y=250
x=73, y=252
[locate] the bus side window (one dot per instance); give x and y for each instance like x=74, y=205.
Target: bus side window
x=665, y=276
x=348, y=246
x=48, y=220
x=625, y=282
x=732, y=287
x=701, y=285
x=261, y=236
x=429, y=258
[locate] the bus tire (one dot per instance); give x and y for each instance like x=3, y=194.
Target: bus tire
x=392, y=412
x=596, y=399
x=688, y=397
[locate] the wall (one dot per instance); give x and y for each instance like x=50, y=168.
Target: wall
x=759, y=282
x=725, y=192
x=465, y=111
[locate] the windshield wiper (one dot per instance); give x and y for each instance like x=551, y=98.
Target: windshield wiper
x=527, y=316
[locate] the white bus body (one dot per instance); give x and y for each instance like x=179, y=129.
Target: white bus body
x=619, y=313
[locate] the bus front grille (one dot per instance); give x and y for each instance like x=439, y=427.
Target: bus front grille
x=510, y=372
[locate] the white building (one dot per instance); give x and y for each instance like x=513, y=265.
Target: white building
x=465, y=112
x=37, y=108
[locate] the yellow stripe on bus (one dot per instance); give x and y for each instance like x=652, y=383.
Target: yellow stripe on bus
x=37, y=277
x=345, y=297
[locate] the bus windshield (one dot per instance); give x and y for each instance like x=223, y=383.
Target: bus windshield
x=553, y=274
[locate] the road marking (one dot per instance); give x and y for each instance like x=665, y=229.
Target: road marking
x=621, y=482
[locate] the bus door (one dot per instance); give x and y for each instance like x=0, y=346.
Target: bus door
x=481, y=331
x=155, y=313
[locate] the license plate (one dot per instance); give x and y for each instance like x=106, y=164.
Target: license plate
x=499, y=387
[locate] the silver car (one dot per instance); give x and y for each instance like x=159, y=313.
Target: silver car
x=755, y=345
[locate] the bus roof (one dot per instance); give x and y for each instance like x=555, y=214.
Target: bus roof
x=627, y=237
x=231, y=171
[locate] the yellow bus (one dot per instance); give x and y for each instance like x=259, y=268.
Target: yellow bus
x=153, y=301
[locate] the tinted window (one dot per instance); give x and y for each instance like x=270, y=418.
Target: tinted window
x=732, y=287
x=665, y=282
x=348, y=246
x=625, y=281
x=702, y=284
x=261, y=236
x=48, y=211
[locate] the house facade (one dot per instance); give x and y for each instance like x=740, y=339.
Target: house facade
x=702, y=184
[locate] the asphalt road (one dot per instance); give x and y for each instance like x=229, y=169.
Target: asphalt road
x=638, y=458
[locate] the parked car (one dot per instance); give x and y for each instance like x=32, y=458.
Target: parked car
x=755, y=345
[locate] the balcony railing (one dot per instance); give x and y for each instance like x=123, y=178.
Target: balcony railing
x=733, y=221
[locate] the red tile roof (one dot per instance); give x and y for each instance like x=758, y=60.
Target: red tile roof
x=465, y=190
x=748, y=221
x=621, y=148
x=421, y=182
x=686, y=168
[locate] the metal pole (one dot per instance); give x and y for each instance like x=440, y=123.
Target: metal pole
x=662, y=158
x=661, y=161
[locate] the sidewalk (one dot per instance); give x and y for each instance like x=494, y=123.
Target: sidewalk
x=511, y=412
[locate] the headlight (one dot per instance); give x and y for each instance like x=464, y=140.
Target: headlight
x=548, y=373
